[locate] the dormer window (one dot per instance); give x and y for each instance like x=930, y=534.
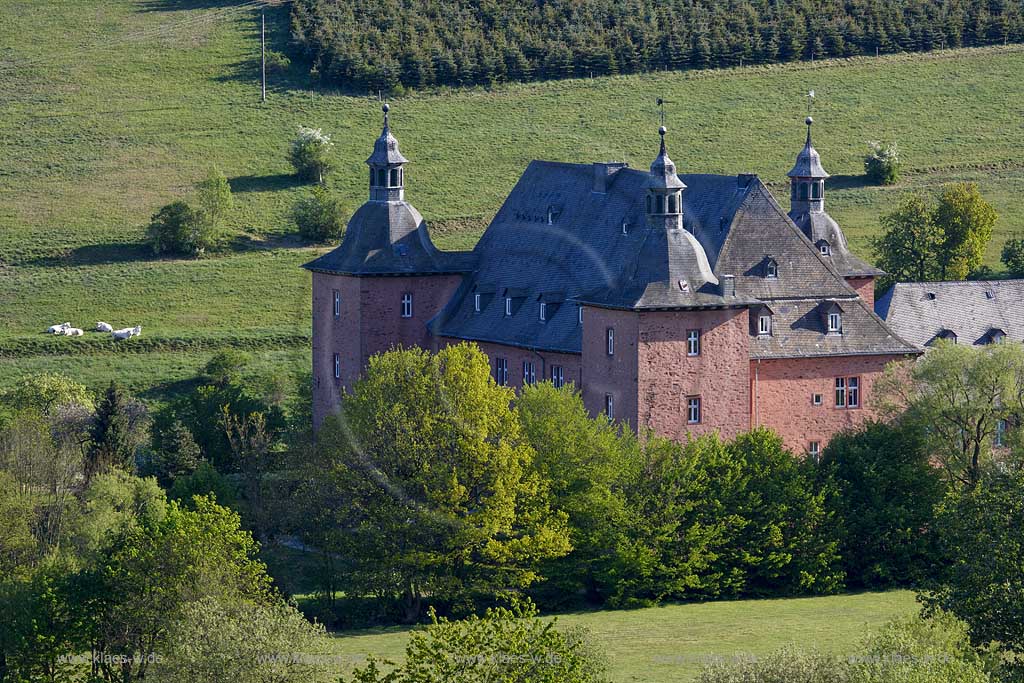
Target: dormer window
x=835, y=323
x=824, y=249
x=543, y=311
x=764, y=324
x=476, y=303
x=580, y=314
x=508, y=306
x=771, y=268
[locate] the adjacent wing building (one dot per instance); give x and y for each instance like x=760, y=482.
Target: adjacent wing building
x=678, y=302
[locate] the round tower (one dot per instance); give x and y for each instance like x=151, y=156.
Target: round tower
x=387, y=166
x=807, y=179
x=664, y=190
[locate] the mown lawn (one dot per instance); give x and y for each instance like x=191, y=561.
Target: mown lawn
x=672, y=643
x=111, y=108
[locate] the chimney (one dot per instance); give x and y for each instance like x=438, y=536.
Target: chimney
x=603, y=171
x=728, y=284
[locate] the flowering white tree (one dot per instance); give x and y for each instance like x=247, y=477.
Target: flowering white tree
x=310, y=154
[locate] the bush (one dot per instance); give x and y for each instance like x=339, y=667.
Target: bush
x=214, y=198
x=310, y=154
x=882, y=164
x=1013, y=256
x=179, y=229
x=277, y=62
x=319, y=217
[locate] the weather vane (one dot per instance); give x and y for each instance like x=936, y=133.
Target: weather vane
x=810, y=101
x=661, y=109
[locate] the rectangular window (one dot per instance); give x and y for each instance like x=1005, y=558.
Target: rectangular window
x=508, y=305
x=693, y=410
x=816, y=399
x=764, y=324
x=476, y=303
x=840, y=392
x=853, y=392
x=407, y=305
x=337, y=366
x=580, y=315
x=543, y=311
x=814, y=450
x=609, y=406
x=556, y=376
x=693, y=342
x=835, y=322
x=337, y=304
x=610, y=341
x=501, y=371
x=529, y=372
x=1000, y=437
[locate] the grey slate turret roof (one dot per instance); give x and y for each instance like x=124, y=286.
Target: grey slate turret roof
x=923, y=312
x=808, y=162
x=385, y=148
x=820, y=227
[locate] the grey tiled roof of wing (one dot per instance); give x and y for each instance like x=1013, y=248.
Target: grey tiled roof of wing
x=761, y=230
x=965, y=308
x=389, y=238
x=799, y=330
x=818, y=226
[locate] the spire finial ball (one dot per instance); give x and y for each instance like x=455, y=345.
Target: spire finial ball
x=662, y=130
x=808, y=120
x=385, y=107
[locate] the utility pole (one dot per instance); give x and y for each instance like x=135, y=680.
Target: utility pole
x=263, y=55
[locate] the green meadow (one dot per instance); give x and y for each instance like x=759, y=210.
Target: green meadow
x=672, y=643
x=112, y=108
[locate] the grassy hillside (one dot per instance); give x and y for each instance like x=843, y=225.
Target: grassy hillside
x=671, y=644
x=112, y=108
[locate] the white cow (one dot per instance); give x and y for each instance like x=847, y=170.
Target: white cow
x=58, y=329
x=104, y=327
x=128, y=332
x=73, y=331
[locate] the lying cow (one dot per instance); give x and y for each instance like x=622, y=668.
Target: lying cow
x=128, y=332
x=57, y=329
x=104, y=327
x=73, y=332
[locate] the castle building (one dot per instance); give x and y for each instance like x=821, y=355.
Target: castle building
x=677, y=302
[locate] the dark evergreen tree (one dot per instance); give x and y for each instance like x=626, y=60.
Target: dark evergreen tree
x=112, y=440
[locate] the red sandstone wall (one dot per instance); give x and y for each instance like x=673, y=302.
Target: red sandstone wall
x=782, y=391
x=719, y=375
x=604, y=374
x=370, y=323
x=865, y=287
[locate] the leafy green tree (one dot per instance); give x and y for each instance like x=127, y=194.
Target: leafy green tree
x=46, y=392
x=966, y=221
x=205, y=481
x=118, y=430
x=177, y=228
x=441, y=498
x=310, y=154
x=980, y=575
x=226, y=367
x=214, y=199
x=243, y=642
x=958, y=395
x=319, y=216
x=114, y=503
x=1013, y=256
x=588, y=464
x=503, y=645
x=18, y=547
x=886, y=491
x=908, y=249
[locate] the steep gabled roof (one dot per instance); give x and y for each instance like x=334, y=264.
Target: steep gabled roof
x=919, y=311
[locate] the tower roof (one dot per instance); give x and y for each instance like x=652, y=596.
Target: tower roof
x=385, y=149
x=663, y=169
x=808, y=162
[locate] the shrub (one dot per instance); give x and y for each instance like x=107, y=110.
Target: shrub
x=882, y=163
x=179, y=229
x=214, y=197
x=277, y=62
x=310, y=154
x=319, y=217
x=1013, y=256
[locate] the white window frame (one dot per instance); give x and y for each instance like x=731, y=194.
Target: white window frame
x=853, y=392
x=337, y=366
x=557, y=376
x=693, y=410
x=771, y=269
x=835, y=323
x=508, y=306
x=337, y=303
x=407, y=305
x=609, y=406
x=814, y=450
x=609, y=341
x=529, y=372
x=764, y=324
x=693, y=343
x=476, y=303
x=840, y=392
x=1000, y=436
x=824, y=249
x=501, y=371
x=543, y=312
x=580, y=316
x=816, y=399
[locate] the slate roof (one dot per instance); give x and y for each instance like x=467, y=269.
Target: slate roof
x=819, y=227
x=808, y=162
x=389, y=238
x=921, y=311
x=555, y=234
x=385, y=148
